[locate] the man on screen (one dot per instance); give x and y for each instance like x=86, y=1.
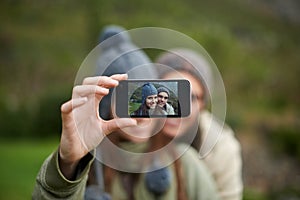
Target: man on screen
x=162, y=100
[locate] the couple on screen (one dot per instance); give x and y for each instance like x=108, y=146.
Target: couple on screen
x=154, y=101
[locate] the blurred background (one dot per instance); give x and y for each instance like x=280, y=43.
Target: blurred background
x=255, y=44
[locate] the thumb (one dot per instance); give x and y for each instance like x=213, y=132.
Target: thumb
x=118, y=123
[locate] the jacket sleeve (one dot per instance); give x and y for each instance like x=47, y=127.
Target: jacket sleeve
x=225, y=163
x=51, y=183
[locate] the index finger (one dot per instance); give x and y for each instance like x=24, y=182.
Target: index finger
x=119, y=77
x=103, y=81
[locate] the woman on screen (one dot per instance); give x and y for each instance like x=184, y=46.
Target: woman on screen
x=149, y=102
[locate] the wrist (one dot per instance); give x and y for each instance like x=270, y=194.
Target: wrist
x=67, y=166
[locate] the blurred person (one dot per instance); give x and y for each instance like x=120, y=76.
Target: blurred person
x=163, y=95
x=89, y=128
x=224, y=161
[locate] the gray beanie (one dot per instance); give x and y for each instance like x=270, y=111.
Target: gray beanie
x=112, y=30
x=163, y=89
x=119, y=55
x=190, y=61
x=147, y=90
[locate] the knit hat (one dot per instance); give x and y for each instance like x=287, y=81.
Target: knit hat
x=163, y=89
x=119, y=55
x=188, y=60
x=112, y=30
x=147, y=90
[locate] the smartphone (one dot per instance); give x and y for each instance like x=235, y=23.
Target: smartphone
x=153, y=98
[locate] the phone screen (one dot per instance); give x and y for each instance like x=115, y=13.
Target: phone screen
x=153, y=98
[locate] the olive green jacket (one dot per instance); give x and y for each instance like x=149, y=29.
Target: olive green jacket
x=51, y=183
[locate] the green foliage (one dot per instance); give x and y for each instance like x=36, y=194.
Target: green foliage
x=15, y=123
x=47, y=118
x=288, y=193
x=41, y=49
x=286, y=140
x=33, y=121
x=133, y=107
x=250, y=194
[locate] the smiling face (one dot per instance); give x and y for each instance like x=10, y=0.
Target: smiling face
x=162, y=99
x=175, y=127
x=151, y=101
